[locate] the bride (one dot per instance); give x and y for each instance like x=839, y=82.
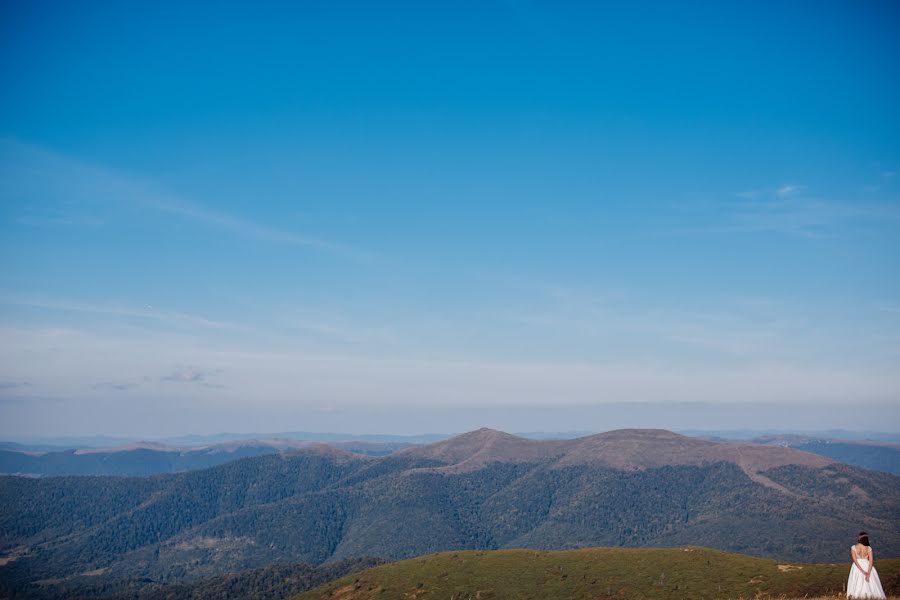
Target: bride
x=863, y=582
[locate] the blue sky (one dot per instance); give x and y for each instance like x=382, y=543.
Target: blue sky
x=406, y=217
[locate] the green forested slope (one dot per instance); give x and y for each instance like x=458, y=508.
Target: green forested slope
x=324, y=505
x=264, y=583
x=868, y=456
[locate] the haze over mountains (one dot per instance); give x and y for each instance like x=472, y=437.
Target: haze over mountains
x=187, y=453
x=481, y=490
x=869, y=454
x=150, y=458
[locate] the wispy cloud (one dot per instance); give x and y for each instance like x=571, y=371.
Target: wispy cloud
x=788, y=189
x=177, y=319
x=59, y=220
x=108, y=385
x=290, y=386
x=771, y=195
x=885, y=179
x=330, y=326
x=793, y=210
x=779, y=192
x=717, y=329
x=190, y=374
x=30, y=167
x=720, y=333
x=239, y=226
x=14, y=385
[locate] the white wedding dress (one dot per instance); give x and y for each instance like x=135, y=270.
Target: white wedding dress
x=858, y=587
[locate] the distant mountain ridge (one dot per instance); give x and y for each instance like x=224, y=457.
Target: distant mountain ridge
x=748, y=435
x=481, y=490
x=52, y=443
x=625, y=449
x=152, y=458
x=57, y=444
x=184, y=454
x=869, y=454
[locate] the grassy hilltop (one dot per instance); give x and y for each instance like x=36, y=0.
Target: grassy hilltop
x=651, y=574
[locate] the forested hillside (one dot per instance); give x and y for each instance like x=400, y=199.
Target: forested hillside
x=274, y=581
x=877, y=456
x=483, y=490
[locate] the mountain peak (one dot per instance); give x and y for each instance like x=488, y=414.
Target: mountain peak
x=637, y=449
x=485, y=433
x=624, y=449
x=640, y=434
x=325, y=450
x=474, y=449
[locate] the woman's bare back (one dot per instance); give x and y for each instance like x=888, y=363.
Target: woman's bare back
x=862, y=551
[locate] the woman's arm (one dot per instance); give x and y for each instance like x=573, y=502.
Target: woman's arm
x=853, y=556
x=871, y=562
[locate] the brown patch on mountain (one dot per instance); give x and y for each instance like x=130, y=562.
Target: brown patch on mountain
x=624, y=449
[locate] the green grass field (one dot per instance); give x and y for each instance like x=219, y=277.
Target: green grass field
x=596, y=573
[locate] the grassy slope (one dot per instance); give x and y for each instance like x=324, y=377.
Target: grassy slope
x=656, y=573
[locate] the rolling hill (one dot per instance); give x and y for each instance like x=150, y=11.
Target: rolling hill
x=481, y=490
x=636, y=574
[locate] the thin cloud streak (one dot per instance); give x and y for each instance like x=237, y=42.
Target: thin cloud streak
x=788, y=189
x=291, y=382
x=170, y=318
x=726, y=329
x=14, y=385
x=241, y=227
x=791, y=211
x=98, y=181
x=303, y=377
x=108, y=385
x=190, y=374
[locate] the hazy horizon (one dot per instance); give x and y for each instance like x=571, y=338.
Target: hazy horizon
x=679, y=417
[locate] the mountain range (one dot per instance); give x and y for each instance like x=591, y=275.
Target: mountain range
x=869, y=454
x=152, y=457
x=481, y=490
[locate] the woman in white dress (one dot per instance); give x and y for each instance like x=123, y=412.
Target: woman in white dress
x=863, y=582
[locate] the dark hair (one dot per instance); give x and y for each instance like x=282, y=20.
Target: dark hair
x=863, y=538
